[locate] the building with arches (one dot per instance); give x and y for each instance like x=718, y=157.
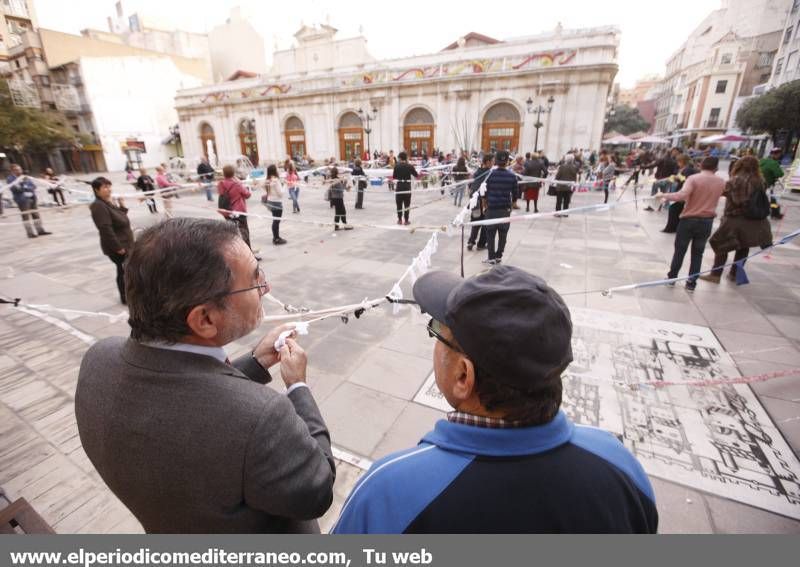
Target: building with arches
x=471, y=95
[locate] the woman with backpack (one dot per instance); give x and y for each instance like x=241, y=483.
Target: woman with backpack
x=273, y=200
x=233, y=200
x=745, y=223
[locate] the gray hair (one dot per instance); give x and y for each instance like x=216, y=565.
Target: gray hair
x=175, y=266
x=569, y=158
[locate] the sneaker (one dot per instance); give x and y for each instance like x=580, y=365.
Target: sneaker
x=399, y=221
x=336, y=227
x=489, y=261
x=278, y=241
x=711, y=278
x=407, y=223
x=649, y=208
x=31, y=236
x=347, y=227
x=690, y=286
x=44, y=233
x=470, y=247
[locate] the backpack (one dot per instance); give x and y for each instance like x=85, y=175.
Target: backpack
x=757, y=206
x=224, y=202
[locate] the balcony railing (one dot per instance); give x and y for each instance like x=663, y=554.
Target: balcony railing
x=16, y=8
x=714, y=124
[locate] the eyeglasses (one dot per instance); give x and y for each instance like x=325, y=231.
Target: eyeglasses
x=262, y=286
x=435, y=332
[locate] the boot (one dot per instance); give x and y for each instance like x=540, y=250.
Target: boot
x=711, y=278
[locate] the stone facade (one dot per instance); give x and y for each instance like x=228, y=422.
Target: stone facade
x=471, y=94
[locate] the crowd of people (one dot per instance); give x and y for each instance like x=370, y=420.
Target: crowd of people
x=506, y=433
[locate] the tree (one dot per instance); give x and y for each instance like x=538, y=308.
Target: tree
x=625, y=120
x=29, y=130
x=774, y=111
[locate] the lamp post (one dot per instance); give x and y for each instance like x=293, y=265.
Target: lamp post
x=369, y=117
x=539, y=110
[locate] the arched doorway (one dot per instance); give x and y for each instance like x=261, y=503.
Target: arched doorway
x=295, y=137
x=208, y=141
x=500, y=129
x=351, y=136
x=247, y=140
x=418, y=132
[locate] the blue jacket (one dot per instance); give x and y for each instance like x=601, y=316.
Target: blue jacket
x=23, y=191
x=554, y=478
x=501, y=186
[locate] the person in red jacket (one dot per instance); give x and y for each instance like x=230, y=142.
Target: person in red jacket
x=233, y=199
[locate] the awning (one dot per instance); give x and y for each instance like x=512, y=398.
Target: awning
x=653, y=140
x=618, y=140
x=722, y=139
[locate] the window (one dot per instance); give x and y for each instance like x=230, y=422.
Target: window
x=779, y=67
x=726, y=59
x=795, y=6
x=765, y=59
x=721, y=86
x=790, y=61
x=713, y=118
x=788, y=35
x=763, y=78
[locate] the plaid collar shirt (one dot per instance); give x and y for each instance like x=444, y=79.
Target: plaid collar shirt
x=481, y=421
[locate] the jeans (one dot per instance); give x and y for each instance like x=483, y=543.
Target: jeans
x=362, y=186
x=721, y=259
x=403, y=202
x=562, y=200
x=276, y=208
x=492, y=229
x=209, y=188
x=694, y=231
x=294, y=193
x=340, y=213
x=119, y=262
x=30, y=205
x=244, y=230
x=458, y=195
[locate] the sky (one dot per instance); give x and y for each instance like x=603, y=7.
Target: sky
x=651, y=32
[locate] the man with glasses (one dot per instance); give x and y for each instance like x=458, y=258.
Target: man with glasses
x=507, y=460
x=189, y=441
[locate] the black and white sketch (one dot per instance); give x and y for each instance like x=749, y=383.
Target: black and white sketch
x=716, y=438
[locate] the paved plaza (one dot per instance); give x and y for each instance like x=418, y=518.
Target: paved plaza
x=370, y=375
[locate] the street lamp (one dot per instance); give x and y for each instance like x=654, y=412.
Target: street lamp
x=369, y=117
x=539, y=110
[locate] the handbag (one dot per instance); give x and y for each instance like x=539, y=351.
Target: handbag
x=551, y=190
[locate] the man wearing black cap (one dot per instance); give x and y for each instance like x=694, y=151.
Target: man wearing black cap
x=507, y=460
x=501, y=186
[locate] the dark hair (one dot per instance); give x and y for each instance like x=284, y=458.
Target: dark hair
x=334, y=172
x=462, y=163
x=173, y=267
x=228, y=171
x=709, y=163
x=272, y=171
x=748, y=165
x=403, y=156
x=99, y=182
x=516, y=405
x=487, y=158
x=527, y=155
